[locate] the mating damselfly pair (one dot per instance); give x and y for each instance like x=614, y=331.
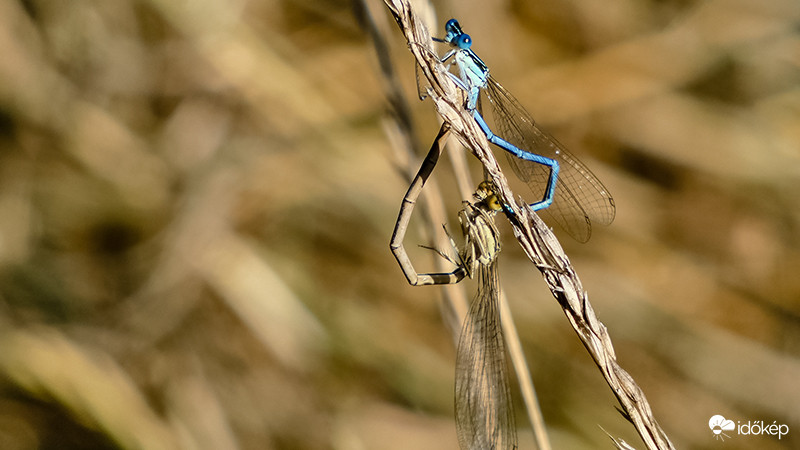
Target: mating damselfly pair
x=564, y=188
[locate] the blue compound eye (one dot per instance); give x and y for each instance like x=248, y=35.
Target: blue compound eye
x=452, y=23
x=464, y=41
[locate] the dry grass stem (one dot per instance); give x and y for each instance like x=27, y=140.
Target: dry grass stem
x=536, y=239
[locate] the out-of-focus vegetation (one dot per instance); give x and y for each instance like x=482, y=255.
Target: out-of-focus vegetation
x=196, y=200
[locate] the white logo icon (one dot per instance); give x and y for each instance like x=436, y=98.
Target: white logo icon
x=719, y=425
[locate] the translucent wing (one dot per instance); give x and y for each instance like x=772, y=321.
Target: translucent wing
x=484, y=415
x=580, y=198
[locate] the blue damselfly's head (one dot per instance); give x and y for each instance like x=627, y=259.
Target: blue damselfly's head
x=463, y=41
x=456, y=36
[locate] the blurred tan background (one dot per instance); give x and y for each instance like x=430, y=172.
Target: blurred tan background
x=196, y=200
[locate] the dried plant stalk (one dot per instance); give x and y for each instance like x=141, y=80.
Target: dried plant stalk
x=536, y=239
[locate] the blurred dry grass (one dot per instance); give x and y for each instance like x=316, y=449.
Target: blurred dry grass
x=196, y=201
